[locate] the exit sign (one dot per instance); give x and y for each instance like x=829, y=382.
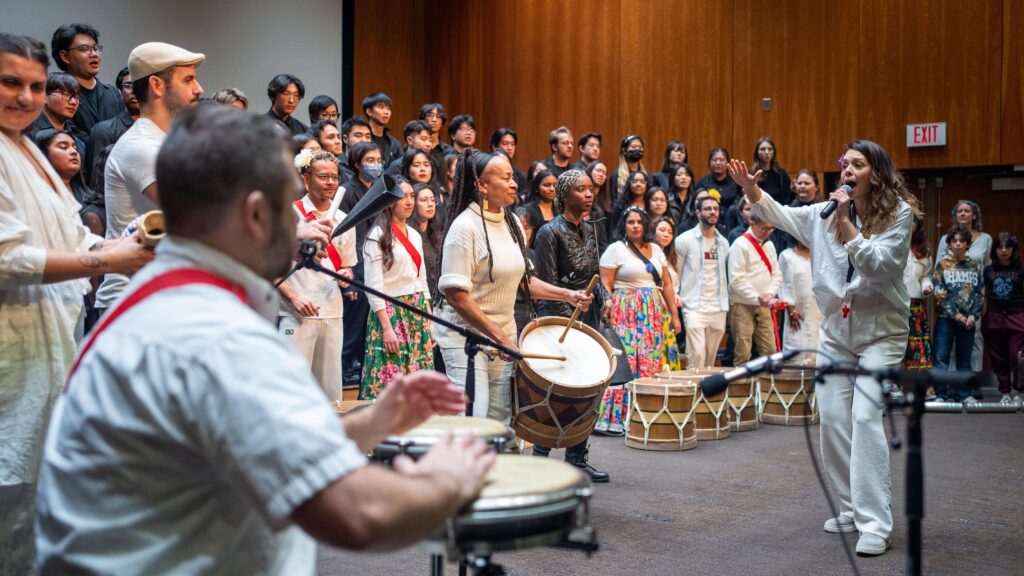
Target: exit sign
x=921, y=135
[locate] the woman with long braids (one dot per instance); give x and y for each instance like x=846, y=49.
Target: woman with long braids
x=858, y=255
x=483, y=263
x=397, y=341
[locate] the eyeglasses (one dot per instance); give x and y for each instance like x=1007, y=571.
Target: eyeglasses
x=128, y=86
x=326, y=116
x=88, y=49
x=467, y=130
x=68, y=95
x=433, y=116
x=323, y=176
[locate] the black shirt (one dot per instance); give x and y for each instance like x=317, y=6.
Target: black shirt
x=354, y=192
x=1004, y=286
x=390, y=147
x=568, y=255
x=290, y=123
x=727, y=189
x=777, y=184
x=556, y=169
x=105, y=134
x=101, y=103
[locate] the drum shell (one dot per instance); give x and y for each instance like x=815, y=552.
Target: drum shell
x=537, y=415
x=497, y=437
x=713, y=414
x=661, y=415
x=787, y=398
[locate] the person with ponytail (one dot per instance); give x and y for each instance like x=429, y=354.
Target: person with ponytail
x=397, y=341
x=631, y=159
x=858, y=255
x=483, y=264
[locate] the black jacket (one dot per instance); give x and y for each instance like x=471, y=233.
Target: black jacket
x=568, y=255
x=104, y=134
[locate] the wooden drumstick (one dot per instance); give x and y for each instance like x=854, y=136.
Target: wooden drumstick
x=576, y=312
x=542, y=356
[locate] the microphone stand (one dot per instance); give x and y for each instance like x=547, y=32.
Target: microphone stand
x=913, y=404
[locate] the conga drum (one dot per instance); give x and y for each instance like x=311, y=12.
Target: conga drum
x=661, y=414
x=712, y=413
x=525, y=501
x=555, y=402
x=419, y=440
x=788, y=397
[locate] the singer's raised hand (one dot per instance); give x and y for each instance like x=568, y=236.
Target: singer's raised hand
x=746, y=180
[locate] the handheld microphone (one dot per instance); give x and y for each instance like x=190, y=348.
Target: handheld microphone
x=717, y=383
x=832, y=204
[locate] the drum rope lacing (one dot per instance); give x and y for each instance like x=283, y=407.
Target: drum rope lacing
x=812, y=400
x=635, y=406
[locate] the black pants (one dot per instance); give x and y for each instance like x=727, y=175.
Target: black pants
x=571, y=453
x=354, y=343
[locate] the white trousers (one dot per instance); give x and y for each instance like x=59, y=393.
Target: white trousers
x=319, y=342
x=704, y=332
x=492, y=383
x=854, y=446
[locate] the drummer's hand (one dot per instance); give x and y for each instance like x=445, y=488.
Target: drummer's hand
x=580, y=299
x=409, y=400
x=390, y=340
x=507, y=343
x=460, y=461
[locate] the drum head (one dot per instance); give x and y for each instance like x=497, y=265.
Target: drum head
x=516, y=480
x=587, y=354
x=437, y=426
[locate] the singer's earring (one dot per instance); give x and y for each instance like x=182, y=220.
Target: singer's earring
x=484, y=201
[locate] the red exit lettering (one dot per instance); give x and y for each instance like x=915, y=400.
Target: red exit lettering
x=925, y=134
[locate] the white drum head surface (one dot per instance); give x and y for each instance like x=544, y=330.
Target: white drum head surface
x=586, y=361
x=518, y=475
x=437, y=426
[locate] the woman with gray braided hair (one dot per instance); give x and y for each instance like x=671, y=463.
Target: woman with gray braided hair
x=568, y=255
x=483, y=263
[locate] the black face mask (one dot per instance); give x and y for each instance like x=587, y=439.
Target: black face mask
x=634, y=155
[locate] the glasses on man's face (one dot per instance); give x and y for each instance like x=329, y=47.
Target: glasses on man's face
x=127, y=86
x=68, y=95
x=433, y=116
x=328, y=116
x=88, y=49
x=325, y=177
x=465, y=130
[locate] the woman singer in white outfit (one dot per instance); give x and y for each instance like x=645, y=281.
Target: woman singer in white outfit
x=859, y=254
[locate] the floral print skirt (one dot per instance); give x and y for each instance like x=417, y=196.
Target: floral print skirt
x=415, y=346
x=919, y=347
x=642, y=321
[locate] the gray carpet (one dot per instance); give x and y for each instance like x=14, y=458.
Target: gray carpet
x=751, y=504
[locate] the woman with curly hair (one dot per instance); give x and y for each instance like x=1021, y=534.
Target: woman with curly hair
x=859, y=254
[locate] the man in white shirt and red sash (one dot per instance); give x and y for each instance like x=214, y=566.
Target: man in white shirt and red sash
x=191, y=438
x=754, y=280
x=311, y=304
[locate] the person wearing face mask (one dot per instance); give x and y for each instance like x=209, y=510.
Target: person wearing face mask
x=631, y=155
x=858, y=255
x=365, y=160
x=311, y=310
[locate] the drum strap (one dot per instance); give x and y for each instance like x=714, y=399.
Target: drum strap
x=165, y=281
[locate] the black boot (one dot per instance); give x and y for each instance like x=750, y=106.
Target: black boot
x=541, y=451
x=577, y=456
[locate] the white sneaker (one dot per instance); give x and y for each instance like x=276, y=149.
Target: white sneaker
x=872, y=544
x=840, y=524
x=1006, y=400
x=970, y=401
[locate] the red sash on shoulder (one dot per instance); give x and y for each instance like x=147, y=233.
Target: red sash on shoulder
x=760, y=251
x=332, y=252
x=416, y=258
x=167, y=280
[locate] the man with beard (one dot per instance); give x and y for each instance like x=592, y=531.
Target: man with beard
x=702, y=256
x=75, y=49
x=311, y=305
x=195, y=440
x=561, y=144
x=165, y=83
x=568, y=255
x=107, y=132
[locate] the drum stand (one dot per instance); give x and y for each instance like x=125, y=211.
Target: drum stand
x=475, y=343
x=915, y=383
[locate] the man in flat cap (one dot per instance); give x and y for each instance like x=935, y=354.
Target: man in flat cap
x=164, y=82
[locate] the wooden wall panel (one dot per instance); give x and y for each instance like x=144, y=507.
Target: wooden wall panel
x=932, y=61
x=389, y=42
x=842, y=45
x=1012, y=137
x=780, y=53
x=676, y=77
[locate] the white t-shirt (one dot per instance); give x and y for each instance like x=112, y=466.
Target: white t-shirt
x=709, y=286
x=315, y=286
x=188, y=437
x=130, y=168
x=630, y=271
x=403, y=278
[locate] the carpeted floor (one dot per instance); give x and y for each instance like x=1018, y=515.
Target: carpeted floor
x=750, y=504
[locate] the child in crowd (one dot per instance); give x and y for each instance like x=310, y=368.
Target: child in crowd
x=1003, y=323
x=959, y=295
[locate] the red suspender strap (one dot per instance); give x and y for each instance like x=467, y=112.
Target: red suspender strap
x=172, y=279
x=332, y=252
x=416, y=258
x=760, y=251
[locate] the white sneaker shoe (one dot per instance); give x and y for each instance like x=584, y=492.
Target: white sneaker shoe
x=1006, y=400
x=840, y=524
x=970, y=401
x=872, y=544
